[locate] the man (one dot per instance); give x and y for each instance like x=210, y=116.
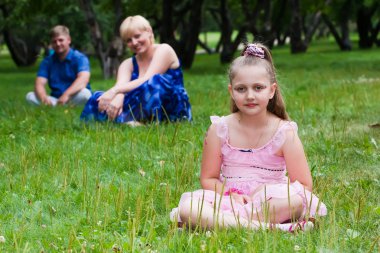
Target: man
x=67, y=71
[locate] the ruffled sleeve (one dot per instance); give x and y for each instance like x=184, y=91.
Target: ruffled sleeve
x=221, y=127
x=280, y=136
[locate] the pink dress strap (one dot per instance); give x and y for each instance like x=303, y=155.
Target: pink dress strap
x=279, y=138
x=221, y=127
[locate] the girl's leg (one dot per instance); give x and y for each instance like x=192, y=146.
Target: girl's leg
x=278, y=210
x=193, y=212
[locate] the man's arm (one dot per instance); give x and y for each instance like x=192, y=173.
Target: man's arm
x=39, y=89
x=79, y=83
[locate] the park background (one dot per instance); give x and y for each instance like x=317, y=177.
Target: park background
x=66, y=186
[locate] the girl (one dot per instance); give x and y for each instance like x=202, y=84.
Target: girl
x=246, y=156
x=149, y=85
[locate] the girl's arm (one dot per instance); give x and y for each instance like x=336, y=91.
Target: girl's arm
x=211, y=162
x=295, y=159
x=162, y=60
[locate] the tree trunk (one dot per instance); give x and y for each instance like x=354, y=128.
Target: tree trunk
x=337, y=37
x=364, y=25
x=251, y=16
x=167, y=28
x=109, y=57
x=24, y=50
x=297, y=45
x=191, y=30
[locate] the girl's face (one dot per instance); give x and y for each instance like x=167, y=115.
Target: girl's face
x=139, y=41
x=251, y=89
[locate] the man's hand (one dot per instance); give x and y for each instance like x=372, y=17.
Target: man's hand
x=62, y=100
x=46, y=101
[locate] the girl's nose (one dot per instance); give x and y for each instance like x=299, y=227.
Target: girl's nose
x=250, y=94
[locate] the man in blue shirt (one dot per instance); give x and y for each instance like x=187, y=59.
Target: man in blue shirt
x=67, y=71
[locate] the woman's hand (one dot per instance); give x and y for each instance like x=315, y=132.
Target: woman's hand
x=115, y=107
x=240, y=198
x=105, y=99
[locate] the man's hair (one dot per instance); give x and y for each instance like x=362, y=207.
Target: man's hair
x=59, y=30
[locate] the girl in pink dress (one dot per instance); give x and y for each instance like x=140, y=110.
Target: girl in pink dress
x=254, y=171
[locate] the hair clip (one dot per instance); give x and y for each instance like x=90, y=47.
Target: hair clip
x=254, y=50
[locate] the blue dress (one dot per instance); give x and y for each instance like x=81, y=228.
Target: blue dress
x=162, y=97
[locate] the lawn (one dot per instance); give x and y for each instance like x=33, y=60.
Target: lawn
x=66, y=186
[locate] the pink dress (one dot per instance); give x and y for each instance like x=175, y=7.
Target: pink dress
x=249, y=169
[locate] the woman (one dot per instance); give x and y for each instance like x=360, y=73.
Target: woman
x=149, y=85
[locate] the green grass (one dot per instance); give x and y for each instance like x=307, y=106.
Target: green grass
x=68, y=186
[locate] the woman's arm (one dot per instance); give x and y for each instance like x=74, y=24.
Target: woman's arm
x=164, y=57
x=124, y=74
x=295, y=159
x=211, y=162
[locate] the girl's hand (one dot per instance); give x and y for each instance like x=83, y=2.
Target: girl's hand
x=115, y=108
x=240, y=198
x=105, y=99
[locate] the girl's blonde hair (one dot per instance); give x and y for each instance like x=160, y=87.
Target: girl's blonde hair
x=133, y=23
x=258, y=54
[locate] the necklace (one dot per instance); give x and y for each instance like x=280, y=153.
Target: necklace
x=261, y=134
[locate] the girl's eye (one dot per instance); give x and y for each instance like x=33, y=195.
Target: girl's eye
x=240, y=89
x=259, y=87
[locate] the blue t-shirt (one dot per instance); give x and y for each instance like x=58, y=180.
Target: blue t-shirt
x=61, y=74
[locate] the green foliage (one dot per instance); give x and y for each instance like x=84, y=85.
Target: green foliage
x=95, y=187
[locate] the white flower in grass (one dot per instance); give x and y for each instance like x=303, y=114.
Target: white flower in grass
x=12, y=136
x=203, y=247
x=163, y=184
x=373, y=141
x=2, y=239
x=297, y=248
x=208, y=234
x=142, y=172
x=99, y=223
x=162, y=163
x=352, y=234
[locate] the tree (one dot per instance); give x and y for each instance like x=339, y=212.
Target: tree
x=110, y=54
x=229, y=45
x=184, y=20
x=367, y=31
x=25, y=27
x=24, y=49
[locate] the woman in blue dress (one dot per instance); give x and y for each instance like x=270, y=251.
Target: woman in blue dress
x=149, y=85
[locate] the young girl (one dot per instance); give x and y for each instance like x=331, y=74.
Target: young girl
x=246, y=156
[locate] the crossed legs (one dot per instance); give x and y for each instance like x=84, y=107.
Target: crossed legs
x=79, y=98
x=277, y=210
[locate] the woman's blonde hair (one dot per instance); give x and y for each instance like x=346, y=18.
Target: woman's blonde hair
x=133, y=23
x=258, y=54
